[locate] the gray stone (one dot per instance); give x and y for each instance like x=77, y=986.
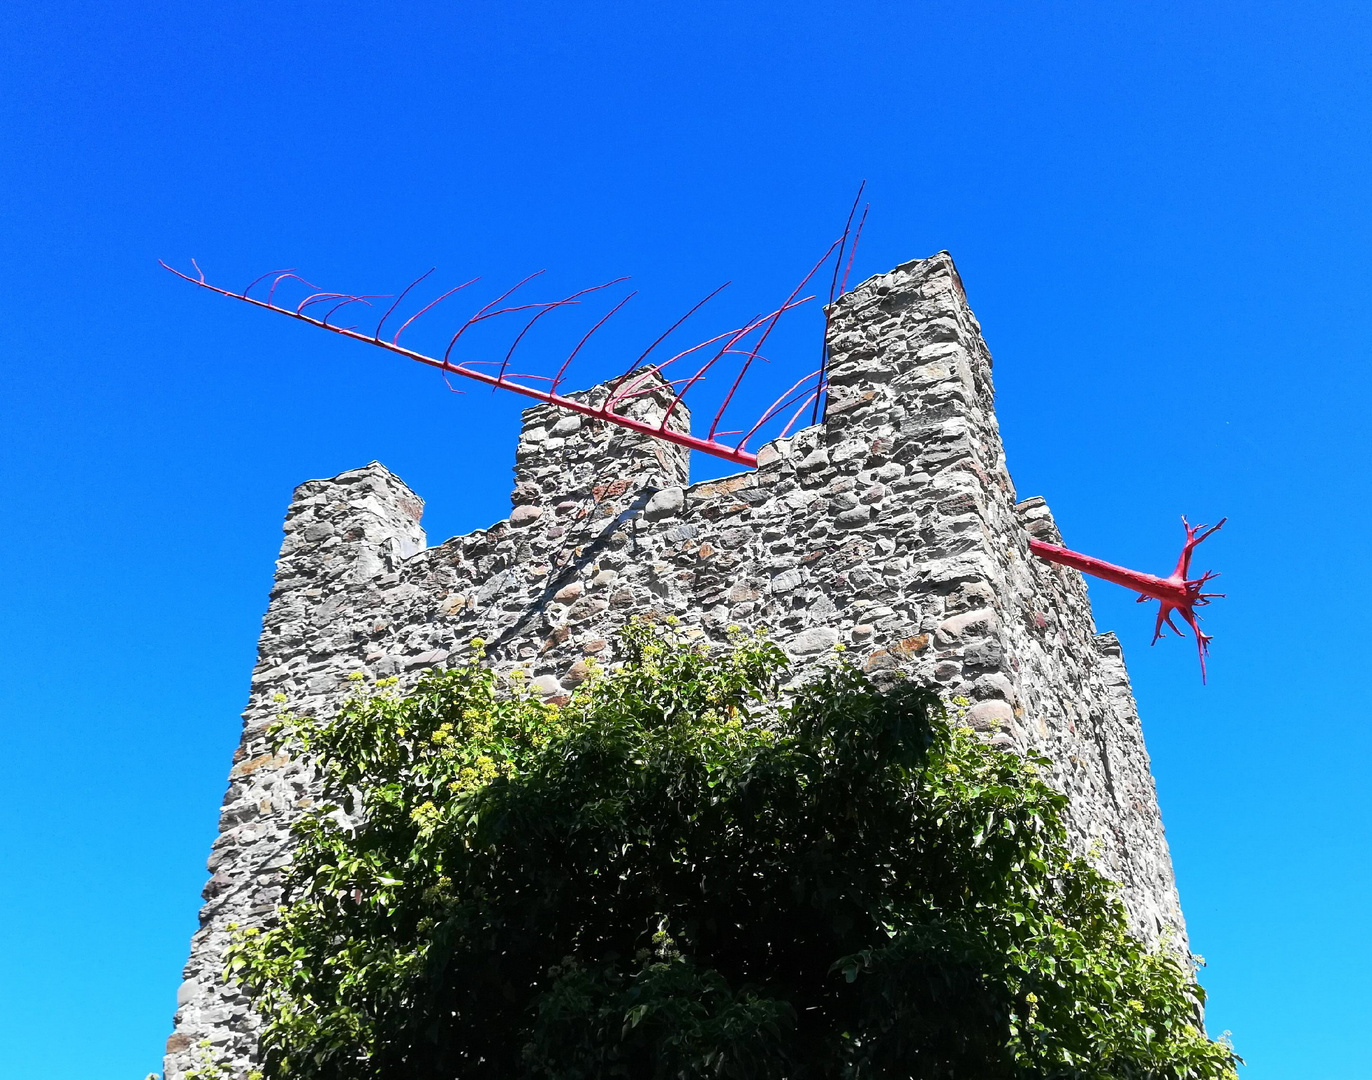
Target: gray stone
x=568, y=594
x=577, y=674
x=818, y=639
x=664, y=504
x=547, y=685
x=970, y=626
x=990, y=715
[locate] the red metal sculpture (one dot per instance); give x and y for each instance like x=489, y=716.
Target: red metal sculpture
x=1176, y=592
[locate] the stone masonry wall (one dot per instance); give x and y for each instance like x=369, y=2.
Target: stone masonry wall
x=892, y=528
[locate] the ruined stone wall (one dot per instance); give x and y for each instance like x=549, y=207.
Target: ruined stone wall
x=891, y=528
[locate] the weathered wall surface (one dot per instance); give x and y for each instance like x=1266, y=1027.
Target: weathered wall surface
x=891, y=528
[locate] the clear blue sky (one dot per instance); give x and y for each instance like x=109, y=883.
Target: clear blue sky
x=1161, y=213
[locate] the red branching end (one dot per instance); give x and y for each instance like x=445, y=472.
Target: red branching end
x=1175, y=593
x=1192, y=596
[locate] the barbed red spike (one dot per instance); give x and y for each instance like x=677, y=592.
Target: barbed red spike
x=469, y=369
x=1174, y=593
x=638, y=379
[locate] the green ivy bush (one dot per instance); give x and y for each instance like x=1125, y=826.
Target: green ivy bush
x=682, y=873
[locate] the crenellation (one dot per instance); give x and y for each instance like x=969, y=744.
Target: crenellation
x=891, y=529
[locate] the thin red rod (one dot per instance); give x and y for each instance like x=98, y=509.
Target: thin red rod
x=833, y=289
x=396, y=304
x=262, y=277
x=792, y=392
x=763, y=338
x=857, y=237
x=838, y=263
x=813, y=395
x=725, y=350
x=430, y=305
x=486, y=313
x=547, y=308
x=353, y=300
x=663, y=337
x=628, y=384
x=288, y=274
x=732, y=336
x=318, y=298
x=557, y=379
x=843, y=241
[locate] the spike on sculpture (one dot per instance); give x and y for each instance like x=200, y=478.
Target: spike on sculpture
x=1176, y=592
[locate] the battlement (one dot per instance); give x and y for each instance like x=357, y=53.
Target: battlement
x=891, y=528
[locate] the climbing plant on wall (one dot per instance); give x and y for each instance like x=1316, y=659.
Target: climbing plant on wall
x=681, y=872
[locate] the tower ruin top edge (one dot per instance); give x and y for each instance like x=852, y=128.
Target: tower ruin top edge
x=891, y=528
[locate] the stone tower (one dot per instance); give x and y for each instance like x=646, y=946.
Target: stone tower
x=892, y=527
